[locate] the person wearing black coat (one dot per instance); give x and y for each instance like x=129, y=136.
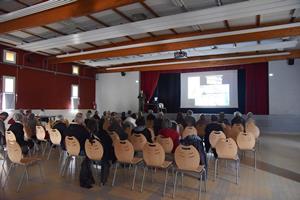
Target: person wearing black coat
x=141, y=129
x=17, y=129
x=79, y=131
x=213, y=126
x=61, y=126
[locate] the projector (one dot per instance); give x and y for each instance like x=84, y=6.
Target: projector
x=180, y=54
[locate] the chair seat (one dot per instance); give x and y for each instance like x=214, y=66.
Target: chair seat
x=136, y=160
x=247, y=149
x=29, y=160
x=165, y=165
x=199, y=169
x=229, y=158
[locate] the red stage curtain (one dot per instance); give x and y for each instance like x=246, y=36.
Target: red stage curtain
x=257, y=88
x=149, y=82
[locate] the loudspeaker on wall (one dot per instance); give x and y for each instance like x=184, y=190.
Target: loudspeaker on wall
x=291, y=61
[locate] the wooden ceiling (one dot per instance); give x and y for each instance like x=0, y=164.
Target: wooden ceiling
x=81, y=18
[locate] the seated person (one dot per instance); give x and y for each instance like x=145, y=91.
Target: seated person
x=78, y=130
x=127, y=128
x=61, y=126
x=222, y=117
x=116, y=126
x=157, y=122
x=180, y=118
x=189, y=117
x=17, y=129
x=141, y=129
x=167, y=131
x=108, y=154
x=201, y=125
x=238, y=119
x=3, y=117
x=150, y=120
x=196, y=141
x=31, y=124
x=212, y=126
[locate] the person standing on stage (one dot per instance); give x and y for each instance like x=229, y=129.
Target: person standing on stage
x=141, y=98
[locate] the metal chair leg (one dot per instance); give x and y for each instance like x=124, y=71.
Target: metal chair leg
x=174, y=190
x=237, y=171
x=8, y=172
x=181, y=179
x=216, y=167
x=116, y=168
x=166, y=180
x=41, y=172
x=204, y=180
x=21, y=181
x=50, y=151
x=134, y=175
x=144, y=173
x=200, y=185
x=27, y=175
x=254, y=159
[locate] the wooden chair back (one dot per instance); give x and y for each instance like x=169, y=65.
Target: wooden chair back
x=235, y=130
x=124, y=151
x=55, y=136
x=226, y=148
x=138, y=141
x=153, y=154
x=72, y=146
x=114, y=136
x=189, y=130
x=93, y=149
x=14, y=151
x=10, y=136
x=166, y=143
x=214, y=137
x=40, y=133
x=245, y=141
x=252, y=128
x=187, y=158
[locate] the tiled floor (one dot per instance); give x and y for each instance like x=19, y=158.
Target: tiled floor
x=277, y=177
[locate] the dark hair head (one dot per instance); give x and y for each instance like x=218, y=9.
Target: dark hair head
x=92, y=125
x=150, y=117
x=189, y=121
x=127, y=125
x=214, y=118
x=129, y=112
x=179, y=118
x=140, y=122
x=134, y=116
x=4, y=114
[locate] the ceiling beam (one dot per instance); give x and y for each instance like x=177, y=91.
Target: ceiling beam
x=76, y=9
x=128, y=19
x=230, y=11
x=180, y=35
x=173, y=46
x=154, y=13
x=220, y=62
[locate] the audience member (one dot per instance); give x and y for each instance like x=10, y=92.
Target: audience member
x=108, y=154
x=180, y=118
x=201, y=125
x=3, y=117
x=78, y=130
x=141, y=129
x=61, y=126
x=167, y=131
x=222, y=117
x=17, y=129
x=123, y=116
x=30, y=126
x=96, y=115
x=212, y=126
x=238, y=119
x=158, y=122
x=116, y=126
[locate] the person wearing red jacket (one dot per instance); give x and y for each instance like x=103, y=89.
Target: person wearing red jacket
x=167, y=131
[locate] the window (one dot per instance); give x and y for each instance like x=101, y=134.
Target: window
x=75, y=70
x=9, y=56
x=74, y=96
x=8, y=97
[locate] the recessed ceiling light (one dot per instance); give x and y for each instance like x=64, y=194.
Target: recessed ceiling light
x=271, y=74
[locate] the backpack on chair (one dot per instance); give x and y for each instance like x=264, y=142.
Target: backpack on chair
x=86, y=177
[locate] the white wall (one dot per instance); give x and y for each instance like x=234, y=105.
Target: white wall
x=117, y=93
x=284, y=88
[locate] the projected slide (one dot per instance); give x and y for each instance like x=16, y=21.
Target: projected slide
x=209, y=89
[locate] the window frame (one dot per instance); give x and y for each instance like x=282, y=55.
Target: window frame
x=78, y=70
x=4, y=92
x=5, y=51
